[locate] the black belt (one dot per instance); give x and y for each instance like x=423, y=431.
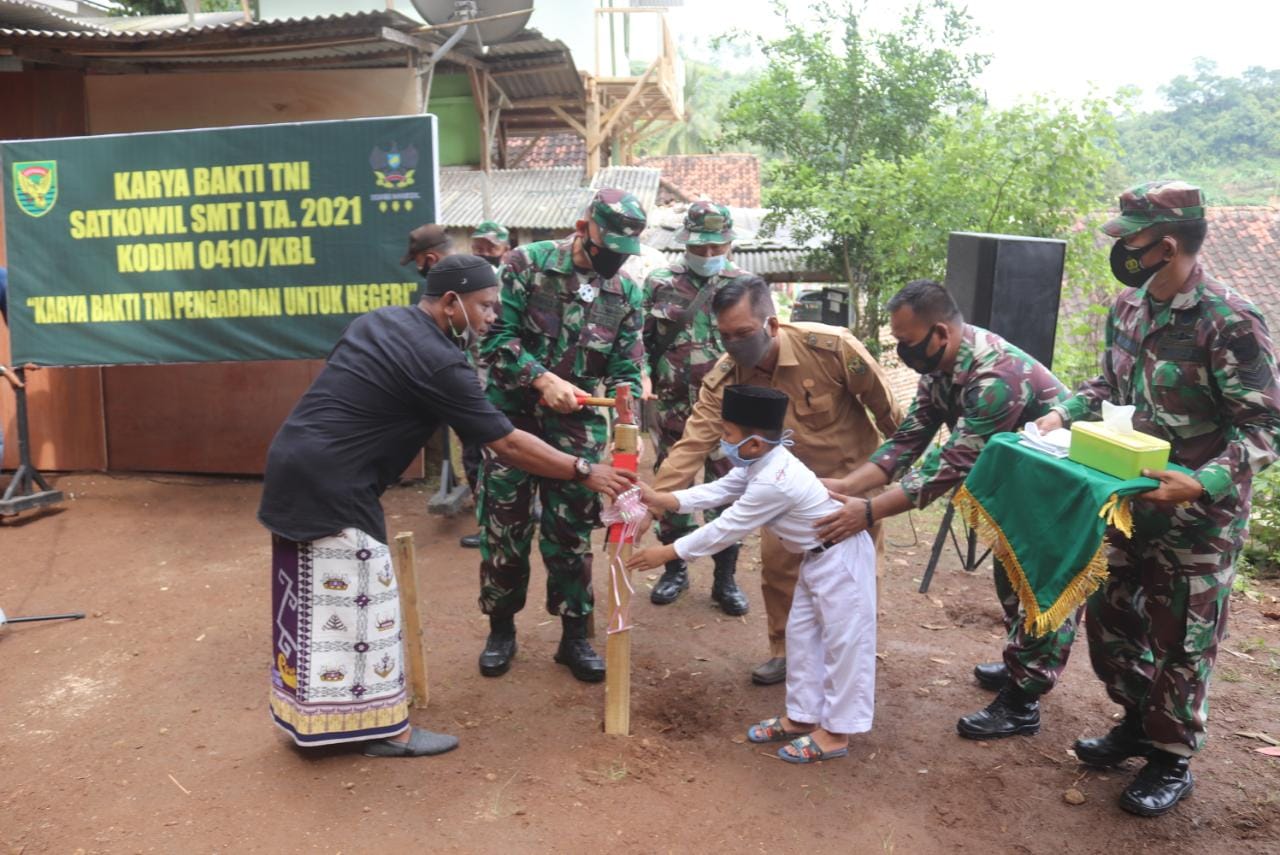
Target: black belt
x=818, y=550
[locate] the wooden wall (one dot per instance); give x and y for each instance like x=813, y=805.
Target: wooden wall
x=215, y=418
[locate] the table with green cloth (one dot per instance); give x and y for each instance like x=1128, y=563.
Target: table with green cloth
x=1045, y=519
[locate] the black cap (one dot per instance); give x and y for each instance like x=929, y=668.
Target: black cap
x=755, y=407
x=460, y=274
x=424, y=238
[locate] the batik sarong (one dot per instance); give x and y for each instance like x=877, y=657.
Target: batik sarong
x=337, y=661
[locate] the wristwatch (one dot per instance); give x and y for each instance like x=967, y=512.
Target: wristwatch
x=581, y=469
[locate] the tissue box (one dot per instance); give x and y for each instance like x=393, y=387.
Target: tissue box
x=1123, y=455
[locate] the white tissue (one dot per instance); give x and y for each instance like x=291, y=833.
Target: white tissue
x=1055, y=442
x=1118, y=418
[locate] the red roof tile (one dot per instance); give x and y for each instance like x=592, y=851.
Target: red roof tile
x=728, y=179
x=1243, y=250
x=548, y=151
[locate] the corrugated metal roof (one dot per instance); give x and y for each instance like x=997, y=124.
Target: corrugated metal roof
x=533, y=198
x=281, y=29
x=778, y=265
x=36, y=16
x=517, y=198
x=640, y=181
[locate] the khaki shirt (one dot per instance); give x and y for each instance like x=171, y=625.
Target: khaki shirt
x=835, y=387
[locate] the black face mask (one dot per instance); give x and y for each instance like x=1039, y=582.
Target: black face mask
x=1127, y=267
x=917, y=356
x=604, y=261
x=425, y=268
x=494, y=260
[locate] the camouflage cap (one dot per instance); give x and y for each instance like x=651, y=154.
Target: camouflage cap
x=706, y=222
x=490, y=230
x=620, y=217
x=1155, y=202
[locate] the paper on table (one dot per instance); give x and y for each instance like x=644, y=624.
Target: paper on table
x=1056, y=442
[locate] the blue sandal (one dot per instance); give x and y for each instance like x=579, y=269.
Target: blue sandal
x=807, y=751
x=770, y=730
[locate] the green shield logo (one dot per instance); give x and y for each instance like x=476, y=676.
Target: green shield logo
x=35, y=186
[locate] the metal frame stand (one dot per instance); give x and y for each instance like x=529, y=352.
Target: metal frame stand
x=21, y=494
x=969, y=558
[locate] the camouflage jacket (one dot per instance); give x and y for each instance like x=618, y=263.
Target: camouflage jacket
x=1201, y=373
x=994, y=387
x=668, y=291
x=582, y=328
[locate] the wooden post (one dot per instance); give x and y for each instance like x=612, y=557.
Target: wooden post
x=592, y=127
x=617, y=651
x=410, y=623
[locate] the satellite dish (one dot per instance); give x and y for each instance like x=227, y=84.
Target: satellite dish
x=491, y=32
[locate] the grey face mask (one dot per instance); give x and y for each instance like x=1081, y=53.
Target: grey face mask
x=749, y=351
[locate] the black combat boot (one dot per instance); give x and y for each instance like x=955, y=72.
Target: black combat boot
x=674, y=582
x=1012, y=712
x=1127, y=739
x=575, y=652
x=1162, y=783
x=991, y=675
x=500, y=647
x=725, y=590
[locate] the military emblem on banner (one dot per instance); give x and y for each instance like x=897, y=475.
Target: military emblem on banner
x=35, y=186
x=394, y=169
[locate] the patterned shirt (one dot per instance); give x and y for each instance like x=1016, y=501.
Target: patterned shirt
x=994, y=387
x=577, y=325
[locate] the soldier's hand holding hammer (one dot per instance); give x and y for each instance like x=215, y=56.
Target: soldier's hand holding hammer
x=558, y=394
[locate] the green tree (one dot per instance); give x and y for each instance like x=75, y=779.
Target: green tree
x=133, y=8
x=1222, y=132
x=710, y=81
x=882, y=146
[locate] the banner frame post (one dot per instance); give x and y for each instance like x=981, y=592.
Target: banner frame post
x=21, y=495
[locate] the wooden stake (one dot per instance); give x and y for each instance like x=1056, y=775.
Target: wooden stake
x=617, y=651
x=415, y=656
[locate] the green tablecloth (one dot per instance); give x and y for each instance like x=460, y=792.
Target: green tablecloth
x=1045, y=519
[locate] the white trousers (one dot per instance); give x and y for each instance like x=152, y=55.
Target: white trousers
x=831, y=638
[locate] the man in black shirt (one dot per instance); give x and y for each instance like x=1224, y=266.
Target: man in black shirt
x=395, y=375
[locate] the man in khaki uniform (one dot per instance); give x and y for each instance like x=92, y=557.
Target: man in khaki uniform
x=836, y=388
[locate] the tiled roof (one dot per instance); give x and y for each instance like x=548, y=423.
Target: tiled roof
x=728, y=179
x=1243, y=250
x=551, y=150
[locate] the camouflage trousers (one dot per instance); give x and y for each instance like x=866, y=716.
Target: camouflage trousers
x=1035, y=662
x=504, y=509
x=1154, y=630
x=671, y=419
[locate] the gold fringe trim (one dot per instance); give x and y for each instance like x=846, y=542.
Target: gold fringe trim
x=1073, y=596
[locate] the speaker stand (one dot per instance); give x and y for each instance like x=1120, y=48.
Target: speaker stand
x=969, y=558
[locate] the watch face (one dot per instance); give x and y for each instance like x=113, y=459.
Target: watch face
x=583, y=466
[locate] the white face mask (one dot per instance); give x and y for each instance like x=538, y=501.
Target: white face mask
x=467, y=337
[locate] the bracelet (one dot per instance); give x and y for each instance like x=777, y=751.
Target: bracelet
x=870, y=517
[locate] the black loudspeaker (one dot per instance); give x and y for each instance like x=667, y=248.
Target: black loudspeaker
x=1010, y=285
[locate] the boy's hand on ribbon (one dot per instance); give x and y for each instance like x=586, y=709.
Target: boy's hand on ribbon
x=654, y=556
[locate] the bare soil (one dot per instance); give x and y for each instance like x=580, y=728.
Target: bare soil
x=144, y=728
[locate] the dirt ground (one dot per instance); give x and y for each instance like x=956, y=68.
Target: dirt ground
x=144, y=728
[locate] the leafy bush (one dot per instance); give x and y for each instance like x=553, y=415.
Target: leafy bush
x=1262, y=550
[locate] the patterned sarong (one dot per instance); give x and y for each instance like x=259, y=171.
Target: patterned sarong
x=337, y=669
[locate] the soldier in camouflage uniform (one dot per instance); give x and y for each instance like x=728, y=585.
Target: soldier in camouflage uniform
x=1195, y=359
x=977, y=384
x=681, y=345
x=569, y=322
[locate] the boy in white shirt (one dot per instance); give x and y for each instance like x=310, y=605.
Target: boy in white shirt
x=831, y=632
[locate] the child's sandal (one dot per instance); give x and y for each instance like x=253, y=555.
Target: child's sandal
x=770, y=730
x=807, y=751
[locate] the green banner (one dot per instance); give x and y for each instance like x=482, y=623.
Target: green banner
x=226, y=244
